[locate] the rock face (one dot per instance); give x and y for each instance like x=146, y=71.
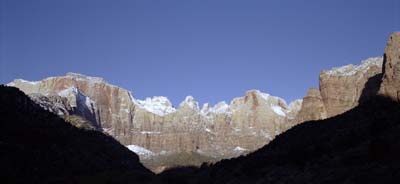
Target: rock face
x=313, y=107
x=105, y=105
x=341, y=88
x=345, y=87
x=391, y=68
x=213, y=132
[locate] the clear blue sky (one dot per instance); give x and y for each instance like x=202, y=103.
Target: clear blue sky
x=212, y=49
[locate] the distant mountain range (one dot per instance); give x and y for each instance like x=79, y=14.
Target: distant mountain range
x=165, y=136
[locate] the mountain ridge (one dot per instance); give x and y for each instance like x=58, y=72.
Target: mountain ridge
x=251, y=121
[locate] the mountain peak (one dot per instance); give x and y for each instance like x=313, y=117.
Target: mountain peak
x=190, y=102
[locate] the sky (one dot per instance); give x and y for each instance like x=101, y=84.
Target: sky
x=214, y=50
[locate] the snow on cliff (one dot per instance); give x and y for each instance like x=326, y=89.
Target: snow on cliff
x=350, y=69
x=158, y=105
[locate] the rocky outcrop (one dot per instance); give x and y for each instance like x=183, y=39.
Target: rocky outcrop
x=391, y=68
x=341, y=88
x=313, y=107
x=110, y=105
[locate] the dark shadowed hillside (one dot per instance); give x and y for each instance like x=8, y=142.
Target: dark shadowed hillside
x=37, y=146
x=359, y=146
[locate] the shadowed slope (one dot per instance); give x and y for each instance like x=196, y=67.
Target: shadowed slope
x=38, y=146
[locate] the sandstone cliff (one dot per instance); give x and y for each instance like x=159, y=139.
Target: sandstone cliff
x=214, y=132
x=341, y=89
x=313, y=107
x=345, y=87
x=391, y=68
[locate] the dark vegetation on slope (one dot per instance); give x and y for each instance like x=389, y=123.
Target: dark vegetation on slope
x=359, y=146
x=37, y=146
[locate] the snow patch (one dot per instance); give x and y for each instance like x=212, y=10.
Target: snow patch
x=81, y=77
x=88, y=102
x=131, y=96
x=140, y=150
x=208, y=130
x=278, y=110
x=23, y=81
x=264, y=95
x=68, y=92
x=29, y=82
x=239, y=149
x=157, y=105
x=220, y=108
x=11, y=84
x=350, y=69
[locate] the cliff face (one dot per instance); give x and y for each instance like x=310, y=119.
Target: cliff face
x=341, y=89
x=220, y=131
x=391, y=68
x=313, y=107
